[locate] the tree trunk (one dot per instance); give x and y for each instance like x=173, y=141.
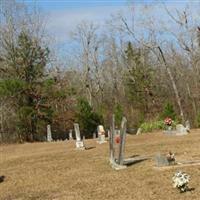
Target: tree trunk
x=177, y=95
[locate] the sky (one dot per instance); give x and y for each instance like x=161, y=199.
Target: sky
x=62, y=16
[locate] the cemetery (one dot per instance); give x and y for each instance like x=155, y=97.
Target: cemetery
x=99, y=100
x=146, y=164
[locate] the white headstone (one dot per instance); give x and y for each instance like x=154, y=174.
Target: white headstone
x=49, y=136
x=101, y=134
x=80, y=145
x=70, y=135
x=79, y=142
x=139, y=131
x=101, y=130
x=77, y=132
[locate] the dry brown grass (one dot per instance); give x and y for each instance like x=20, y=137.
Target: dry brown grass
x=58, y=171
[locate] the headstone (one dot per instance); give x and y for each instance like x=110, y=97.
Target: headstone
x=122, y=141
x=70, y=135
x=181, y=130
x=101, y=134
x=111, y=141
x=94, y=136
x=117, y=147
x=187, y=126
x=118, y=161
x=165, y=160
x=79, y=142
x=139, y=131
x=49, y=136
x=161, y=160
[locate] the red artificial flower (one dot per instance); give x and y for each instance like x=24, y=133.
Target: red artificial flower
x=117, y=139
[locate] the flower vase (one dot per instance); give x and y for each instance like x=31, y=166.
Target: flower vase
x=169, y=128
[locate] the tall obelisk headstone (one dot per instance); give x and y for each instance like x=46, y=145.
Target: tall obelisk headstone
x=79, y=142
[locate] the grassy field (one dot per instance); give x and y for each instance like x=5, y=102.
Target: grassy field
x=57, y=171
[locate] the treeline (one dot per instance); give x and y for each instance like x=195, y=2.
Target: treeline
x=141, y=68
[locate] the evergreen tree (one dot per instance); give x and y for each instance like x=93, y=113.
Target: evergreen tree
x=26, y=61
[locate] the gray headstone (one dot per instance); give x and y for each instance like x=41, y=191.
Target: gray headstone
x=122, y=141
x=161, y=160
x=94, y=136
x=49, y=136
x=111, y=141
x=187, y=126
x=181, y=130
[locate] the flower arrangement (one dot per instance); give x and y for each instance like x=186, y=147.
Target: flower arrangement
x=180, y=181
x=171, y=158
x=168, y=121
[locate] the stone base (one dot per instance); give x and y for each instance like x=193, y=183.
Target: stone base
x=175, y=133
x=80, y=145
x=118, y=167
x=101, y=139
x=101, y=142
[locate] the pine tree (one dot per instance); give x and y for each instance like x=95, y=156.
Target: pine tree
x=26, y=61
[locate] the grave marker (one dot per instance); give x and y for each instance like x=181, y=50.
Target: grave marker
x=94, y=136
x=79, y=143
x=117, y=158
x=70, y=135
x=101, y=135
x=49, y=136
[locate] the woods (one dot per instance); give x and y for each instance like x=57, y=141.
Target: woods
x=136, y=65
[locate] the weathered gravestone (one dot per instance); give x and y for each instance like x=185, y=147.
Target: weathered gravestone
x=49, y=136
x=161, y=160
x=165, y=160
x=79, y=143
x=94, y=136
x=70, y=135
x=181, y=130
x=187, y=125
x=139, y=131
x=117, y=151
x=101, y=134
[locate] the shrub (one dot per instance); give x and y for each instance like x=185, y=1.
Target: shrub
x=168, y=111
x=151, y=126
